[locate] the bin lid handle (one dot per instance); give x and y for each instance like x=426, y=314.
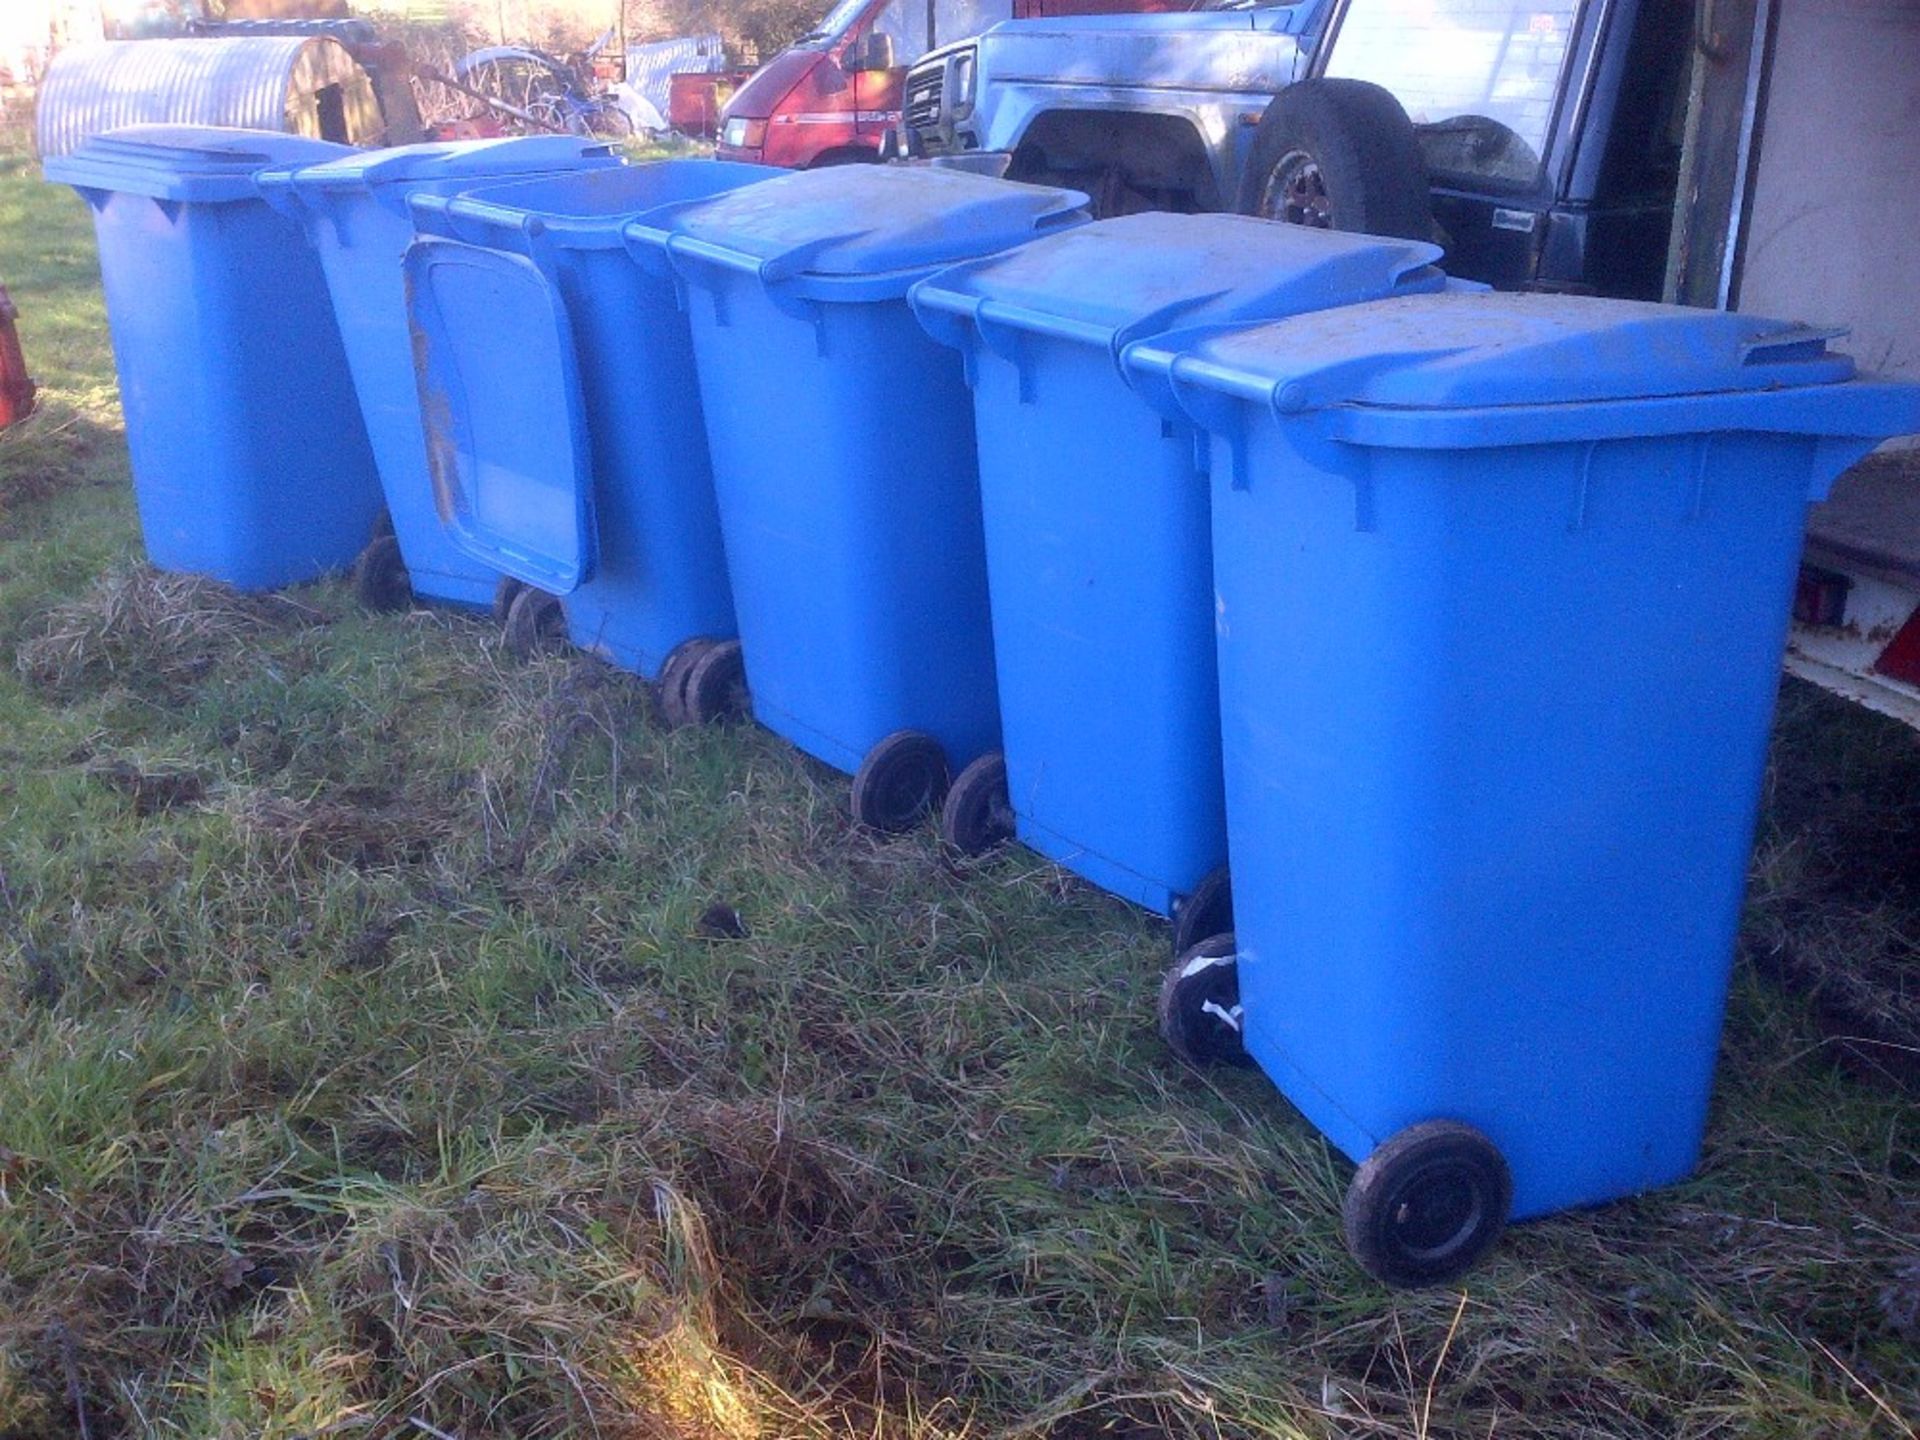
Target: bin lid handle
x=1155, y=322
x=797, y=259
x=770, y=270
x=1796, y=344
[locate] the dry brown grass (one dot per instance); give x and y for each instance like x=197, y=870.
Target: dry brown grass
x=148, y=631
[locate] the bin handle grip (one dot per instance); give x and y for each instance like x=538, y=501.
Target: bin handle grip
x=1154, y=322
x=435, y=215
x=1146, y=364
x=276, y=188
x=684, y=250
x=948, y=323
x=1214, y=410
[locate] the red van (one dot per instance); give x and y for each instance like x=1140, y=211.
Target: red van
x=829, y=97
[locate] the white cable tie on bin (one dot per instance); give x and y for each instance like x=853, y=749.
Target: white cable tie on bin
x=1229, y=1018
x=1204, y=962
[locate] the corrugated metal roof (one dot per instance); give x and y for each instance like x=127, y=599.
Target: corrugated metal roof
x=650, y=66
x=257, y=82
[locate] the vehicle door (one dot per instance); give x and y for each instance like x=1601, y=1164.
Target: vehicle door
x=894, y=36
x=910, y=29
x=1490, y=87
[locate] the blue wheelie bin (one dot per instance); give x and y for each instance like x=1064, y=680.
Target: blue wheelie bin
x=843, y=459
x=1099, y=560
x=355, y=213
x=250, y=462
x=575, y=459
x=1504, y=583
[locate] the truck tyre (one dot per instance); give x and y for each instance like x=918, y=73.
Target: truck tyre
x=1338, y=155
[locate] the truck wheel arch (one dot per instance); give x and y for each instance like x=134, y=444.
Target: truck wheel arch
x=1340, y=154
x=845, y=155
x=1160, y=154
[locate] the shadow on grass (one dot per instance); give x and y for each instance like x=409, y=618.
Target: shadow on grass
x=1835, y=909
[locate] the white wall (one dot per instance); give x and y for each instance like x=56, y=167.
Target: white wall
x=1834, y=236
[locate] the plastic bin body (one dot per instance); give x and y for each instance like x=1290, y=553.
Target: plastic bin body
x=355, y=213
x=1098, y=552
x=843, y=448
x=1503, y=586
x=250, y=462
x=586, y=475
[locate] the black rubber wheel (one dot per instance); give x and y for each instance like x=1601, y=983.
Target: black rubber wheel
x=1206, y=910
x=1200, y=1005
x=1427, y=1204
x=671, y=687
x=505, y=592
x=380, y=579
x=536, y=624
x=976, y=815
x=1338, y=155
x=716, y=685
x=902, y=778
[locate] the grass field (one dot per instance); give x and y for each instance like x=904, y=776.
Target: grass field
x=371, y=1064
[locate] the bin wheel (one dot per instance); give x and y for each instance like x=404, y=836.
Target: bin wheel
x=902, y=778
x=504, y=594
x=1205, y=910
x=976, y=815
x=536, y=624
x=380, y=579
x=671, y=687
x=1200, y=1005
x=715, y=688
x=1427, y=1204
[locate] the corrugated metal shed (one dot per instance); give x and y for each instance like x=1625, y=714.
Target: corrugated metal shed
x=650, y=66
x=301, y=85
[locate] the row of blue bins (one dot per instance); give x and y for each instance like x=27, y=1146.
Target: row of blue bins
x=1454, y=618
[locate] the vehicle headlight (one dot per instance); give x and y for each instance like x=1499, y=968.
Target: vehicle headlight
x=744, y=134
x=963, y=71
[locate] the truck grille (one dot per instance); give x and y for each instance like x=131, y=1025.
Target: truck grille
x=921, y=108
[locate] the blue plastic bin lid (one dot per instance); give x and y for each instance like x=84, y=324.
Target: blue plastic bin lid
x=1139, y=274
x=859, y=221
x=204, y=163
x=506, y=440
x=456, y=160
x=1486, y=369
x=580, y=210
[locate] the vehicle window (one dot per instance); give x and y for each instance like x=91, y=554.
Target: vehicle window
x=906, y=22
x=1478, y=77
x=835, y=25
x=957, y=19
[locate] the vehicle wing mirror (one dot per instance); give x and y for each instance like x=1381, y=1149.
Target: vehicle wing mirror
x=875, y=52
